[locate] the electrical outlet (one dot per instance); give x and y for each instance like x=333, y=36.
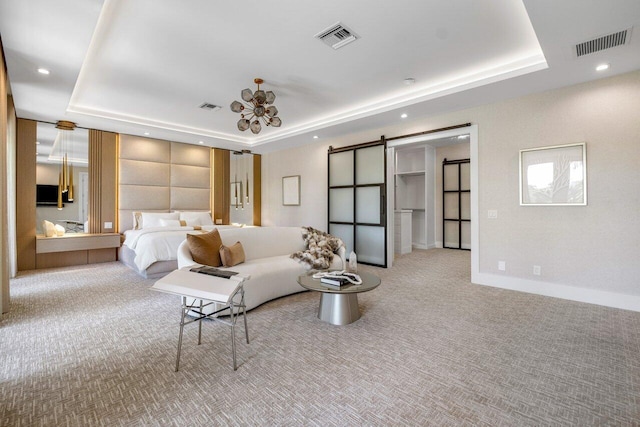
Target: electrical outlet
x=536, y=270
x=218, y=221
x=492, y=214
x=502, y=266
x=108, y=225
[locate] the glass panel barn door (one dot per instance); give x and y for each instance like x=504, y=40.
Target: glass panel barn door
x=357, y=200
x=456, y=204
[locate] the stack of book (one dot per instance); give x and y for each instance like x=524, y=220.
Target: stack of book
x=334, y=282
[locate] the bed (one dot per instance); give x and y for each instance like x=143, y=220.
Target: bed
x=160, y=184
x=150, y=248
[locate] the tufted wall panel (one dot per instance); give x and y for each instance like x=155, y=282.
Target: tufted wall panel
x=161, y=176
x=139, y=172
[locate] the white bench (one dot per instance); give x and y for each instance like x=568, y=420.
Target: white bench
x=223, y=294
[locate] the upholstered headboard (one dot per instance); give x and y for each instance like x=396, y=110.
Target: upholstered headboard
x=161, y=176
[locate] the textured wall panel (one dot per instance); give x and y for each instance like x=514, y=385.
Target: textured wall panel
x=139, y=148
x=190, y=199
x=187, y=154
x=144, y=198
x=190, y=176
x=138, y=172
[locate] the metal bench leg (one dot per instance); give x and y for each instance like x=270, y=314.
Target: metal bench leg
x=200, y=325
x=233, y=335
x=184, y=310
x=244, y=317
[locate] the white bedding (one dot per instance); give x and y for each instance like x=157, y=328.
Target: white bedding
x=159, y=243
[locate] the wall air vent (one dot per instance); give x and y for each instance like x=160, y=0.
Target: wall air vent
x=210, y=107
x=605, y=42
x=337, y=36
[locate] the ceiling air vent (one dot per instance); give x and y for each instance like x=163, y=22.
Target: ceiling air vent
x=337, y=36
x=210, y=107
x=604, y=42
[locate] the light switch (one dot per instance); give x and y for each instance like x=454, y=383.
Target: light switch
x=492, y=214
x=108, y=225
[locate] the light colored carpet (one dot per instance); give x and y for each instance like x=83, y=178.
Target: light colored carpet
x=93, y=345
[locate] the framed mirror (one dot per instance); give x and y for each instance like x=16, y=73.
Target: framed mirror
x=62, y=158
x=242, y=189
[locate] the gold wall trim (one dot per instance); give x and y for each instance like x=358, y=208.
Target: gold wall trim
x=26, y=134
x=4, y=194
x=103, y=181
x=95, y=180
x=257, y=189
x=220, y=191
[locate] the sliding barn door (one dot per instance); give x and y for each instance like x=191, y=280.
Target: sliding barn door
x=357, y=183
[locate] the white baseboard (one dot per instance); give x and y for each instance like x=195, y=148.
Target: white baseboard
x=573, y=293
x=423, y=246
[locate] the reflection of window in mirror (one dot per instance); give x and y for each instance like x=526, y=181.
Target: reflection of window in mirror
x=242, y=191
x=52, y=147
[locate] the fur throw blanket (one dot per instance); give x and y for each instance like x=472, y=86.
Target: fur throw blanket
x=320, y=248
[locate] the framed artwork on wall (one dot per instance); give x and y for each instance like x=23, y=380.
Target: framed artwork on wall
x=291, y=190
x=554, y=176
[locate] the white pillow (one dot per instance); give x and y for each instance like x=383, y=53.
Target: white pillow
x=59, y=230
x=152, y=219
x=196, y=218
x=169, y=222
x=48, y=228
x=137, y=220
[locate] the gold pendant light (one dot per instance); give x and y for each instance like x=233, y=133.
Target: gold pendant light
x=65, y=173
x=70, y=195
x=65, y=181
x=60, y=191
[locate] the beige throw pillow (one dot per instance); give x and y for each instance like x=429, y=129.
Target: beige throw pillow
x=205, y=248
x=232, y=255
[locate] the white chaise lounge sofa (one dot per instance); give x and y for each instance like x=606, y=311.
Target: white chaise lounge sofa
x=267, y=260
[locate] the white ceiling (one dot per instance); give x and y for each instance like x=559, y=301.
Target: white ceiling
x=53, y=144
x=146, y=66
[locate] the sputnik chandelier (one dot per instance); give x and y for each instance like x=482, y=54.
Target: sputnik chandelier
x=257, y=106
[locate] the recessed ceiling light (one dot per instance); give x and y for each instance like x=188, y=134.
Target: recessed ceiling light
x=146, y=133
x=463, y=136
x=409, y=81
x=315, y=136
x=43, y=71
x=602, y=67
x=200, y=142
x=403, y=116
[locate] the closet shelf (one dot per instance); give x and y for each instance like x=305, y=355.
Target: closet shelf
x=411, y=173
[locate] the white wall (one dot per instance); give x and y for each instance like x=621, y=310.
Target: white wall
x=310, y=162
x=586, y=253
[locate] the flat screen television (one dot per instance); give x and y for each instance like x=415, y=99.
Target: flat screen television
x=47, y=195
